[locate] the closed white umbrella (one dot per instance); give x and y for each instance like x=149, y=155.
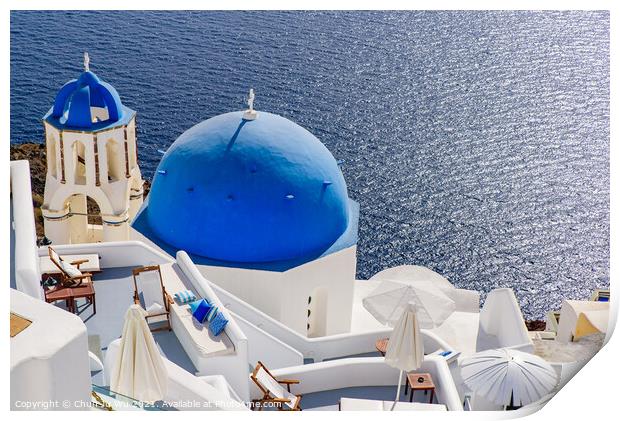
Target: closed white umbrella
x=139, y=371
x=405, y=349
x=388, y=301
x=508, y=377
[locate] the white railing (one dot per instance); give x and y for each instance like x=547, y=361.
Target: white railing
x=233, y=367
x=367, y=371
x=266, y=348
x=321, y=348
x=318, y=349
x=27, y=271
x=115, y=253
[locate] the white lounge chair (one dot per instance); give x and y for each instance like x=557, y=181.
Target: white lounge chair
x=155, y=299
x=273, y=391
x=85, y=262
x=70, y=273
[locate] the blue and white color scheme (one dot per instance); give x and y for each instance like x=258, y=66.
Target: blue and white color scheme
x=91, y=153
x=239, y=190
x=184, y=297
x=260, y=204
x=88, y=103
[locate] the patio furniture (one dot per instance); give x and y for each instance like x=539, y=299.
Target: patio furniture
x=405, y=349
x=139, y=371
x=382, y=345
x=87, y=263
x=273, y=391
x=60, y=293
x=420, y=381
x=508, y=377
x=84, y=291
x=70, y=294
x=388, y=301
x=352, y=404
x=69, y=272
x=155, y=300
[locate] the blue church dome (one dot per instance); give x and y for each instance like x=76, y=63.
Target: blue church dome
x=238, y=190
x=72, y=106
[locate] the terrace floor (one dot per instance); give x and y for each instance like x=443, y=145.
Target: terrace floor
x=328, y=400
x=114, y=294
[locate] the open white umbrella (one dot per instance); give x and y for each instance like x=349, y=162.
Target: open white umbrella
x=414, y=273
x=139, y=371
x=405, y=349
x=508, y=377
x=388, y=301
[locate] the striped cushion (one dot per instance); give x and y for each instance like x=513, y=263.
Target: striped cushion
x=185, y=297
x=212, y=313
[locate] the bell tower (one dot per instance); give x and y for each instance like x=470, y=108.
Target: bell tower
x=92, y=157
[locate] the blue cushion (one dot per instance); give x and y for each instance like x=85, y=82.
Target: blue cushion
x=185, y=297
x=201, y=310
x=193, y=306
x=218, y=323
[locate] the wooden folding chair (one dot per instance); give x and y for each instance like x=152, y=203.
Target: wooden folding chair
x=156, y=300
x=273, y=392
x=68, y=277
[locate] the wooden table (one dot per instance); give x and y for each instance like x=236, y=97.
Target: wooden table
x=70, y=294
x=60, y=293
x=85, y=291
x=426, y=385
x=382, y=345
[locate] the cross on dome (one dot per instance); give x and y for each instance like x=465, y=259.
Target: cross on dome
x=250, y=113
x=251, y=100
x=86, y=62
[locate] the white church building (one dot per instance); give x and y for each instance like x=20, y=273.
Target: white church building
x=261, y=206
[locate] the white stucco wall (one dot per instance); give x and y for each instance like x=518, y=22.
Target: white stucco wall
x=284, y=295
x=49, y=359
x=25, y=254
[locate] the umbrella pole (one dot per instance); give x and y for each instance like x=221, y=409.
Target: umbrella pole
x=400, y=378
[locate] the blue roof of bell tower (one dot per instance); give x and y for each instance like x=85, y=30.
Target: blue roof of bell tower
x=73, y=105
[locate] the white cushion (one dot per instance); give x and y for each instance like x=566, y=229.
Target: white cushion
x=53, y=255
x=70, y=270
x=92, y=265
x=155, y=308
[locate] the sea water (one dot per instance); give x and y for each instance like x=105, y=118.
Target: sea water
x=477, y=143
